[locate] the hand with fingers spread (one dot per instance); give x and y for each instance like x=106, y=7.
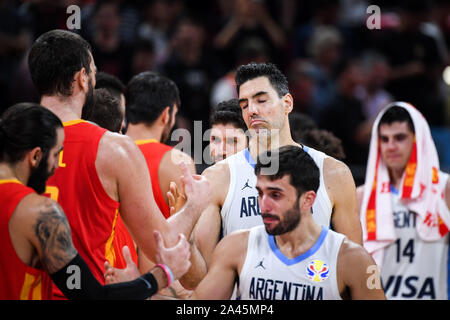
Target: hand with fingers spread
x=175, y=258
x=114, y=275
x=196, y=188
x=176, y=198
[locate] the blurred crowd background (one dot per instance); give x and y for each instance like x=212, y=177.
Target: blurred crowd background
x=340, y=72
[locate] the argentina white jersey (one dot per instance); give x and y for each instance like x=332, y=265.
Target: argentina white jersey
x=269, y=275
x=413, y=268
x=241, y=209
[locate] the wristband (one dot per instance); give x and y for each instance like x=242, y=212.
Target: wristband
x=169, y=275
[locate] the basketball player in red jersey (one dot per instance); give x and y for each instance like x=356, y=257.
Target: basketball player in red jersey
x=152, y=104
x=35, y=236
x=100, y=173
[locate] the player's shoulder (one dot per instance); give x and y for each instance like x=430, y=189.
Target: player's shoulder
x=219, y=172
x=177, y=156
x=336, y=173
x=34, y=205
x=352, y=252
x=117, y=145
x=333, y=166
x=235, y=240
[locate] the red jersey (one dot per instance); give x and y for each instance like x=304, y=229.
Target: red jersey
x=153, y=152
x=17, y=280
x=93, y=216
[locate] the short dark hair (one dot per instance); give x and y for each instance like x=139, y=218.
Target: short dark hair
x=325, y=141
x=254, y=70
x=228, y=112
x=299, y=124
x=25, y=126
x=295, y=162
x=110, y=83
x=105, y=111
x=147, y=94
x=54, y=59
x=396, y=114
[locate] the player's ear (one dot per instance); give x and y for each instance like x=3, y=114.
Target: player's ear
x=82, y=79
x=34, y=157
x=306, y=200
x=165, y=115
x=288, y=102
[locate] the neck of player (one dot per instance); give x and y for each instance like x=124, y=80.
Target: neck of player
x=65, y=108
x=270, y=140
x=141, y=131
x=395, y=176
x=301, y=239
x=17, y=171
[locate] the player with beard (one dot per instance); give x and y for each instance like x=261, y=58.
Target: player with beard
x=152, y=104
x=36, y=239
x=102, y=176
x=265, y=104
x=290, y=257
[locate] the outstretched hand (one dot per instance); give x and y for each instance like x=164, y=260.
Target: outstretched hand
x=196, y=188
x=176, y=198
x=176, y=258
x=114, y=275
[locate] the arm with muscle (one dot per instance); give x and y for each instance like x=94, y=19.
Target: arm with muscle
x=134, y=192
x=358, y=274
x=169, y=171
x=207, y=230
x=226, y=265
x=45, y=226
x=341, y=189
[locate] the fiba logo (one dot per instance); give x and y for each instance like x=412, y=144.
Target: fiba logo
x=318, y=271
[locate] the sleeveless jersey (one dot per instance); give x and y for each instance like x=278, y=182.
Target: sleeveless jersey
x=17, y=281
x=413, y=268
x=153, y=152
x=241, y=210
x=267, y=274
x=91, y=213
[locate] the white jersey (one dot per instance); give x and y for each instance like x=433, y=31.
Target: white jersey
x=413, y=268
x=241, y=210
x=269, y=275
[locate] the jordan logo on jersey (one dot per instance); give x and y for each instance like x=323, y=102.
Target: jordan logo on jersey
x=317, y=271
x=246, y=185
x=260, y=264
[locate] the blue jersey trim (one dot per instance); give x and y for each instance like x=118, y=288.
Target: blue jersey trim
x=249, y=158
x=303, y=256
x=393, y=190
x=306, y=149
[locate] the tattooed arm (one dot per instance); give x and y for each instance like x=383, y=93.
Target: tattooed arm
x=54, y=236
x=40, y=231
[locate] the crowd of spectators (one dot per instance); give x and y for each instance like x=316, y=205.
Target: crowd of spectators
x=340, y=71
